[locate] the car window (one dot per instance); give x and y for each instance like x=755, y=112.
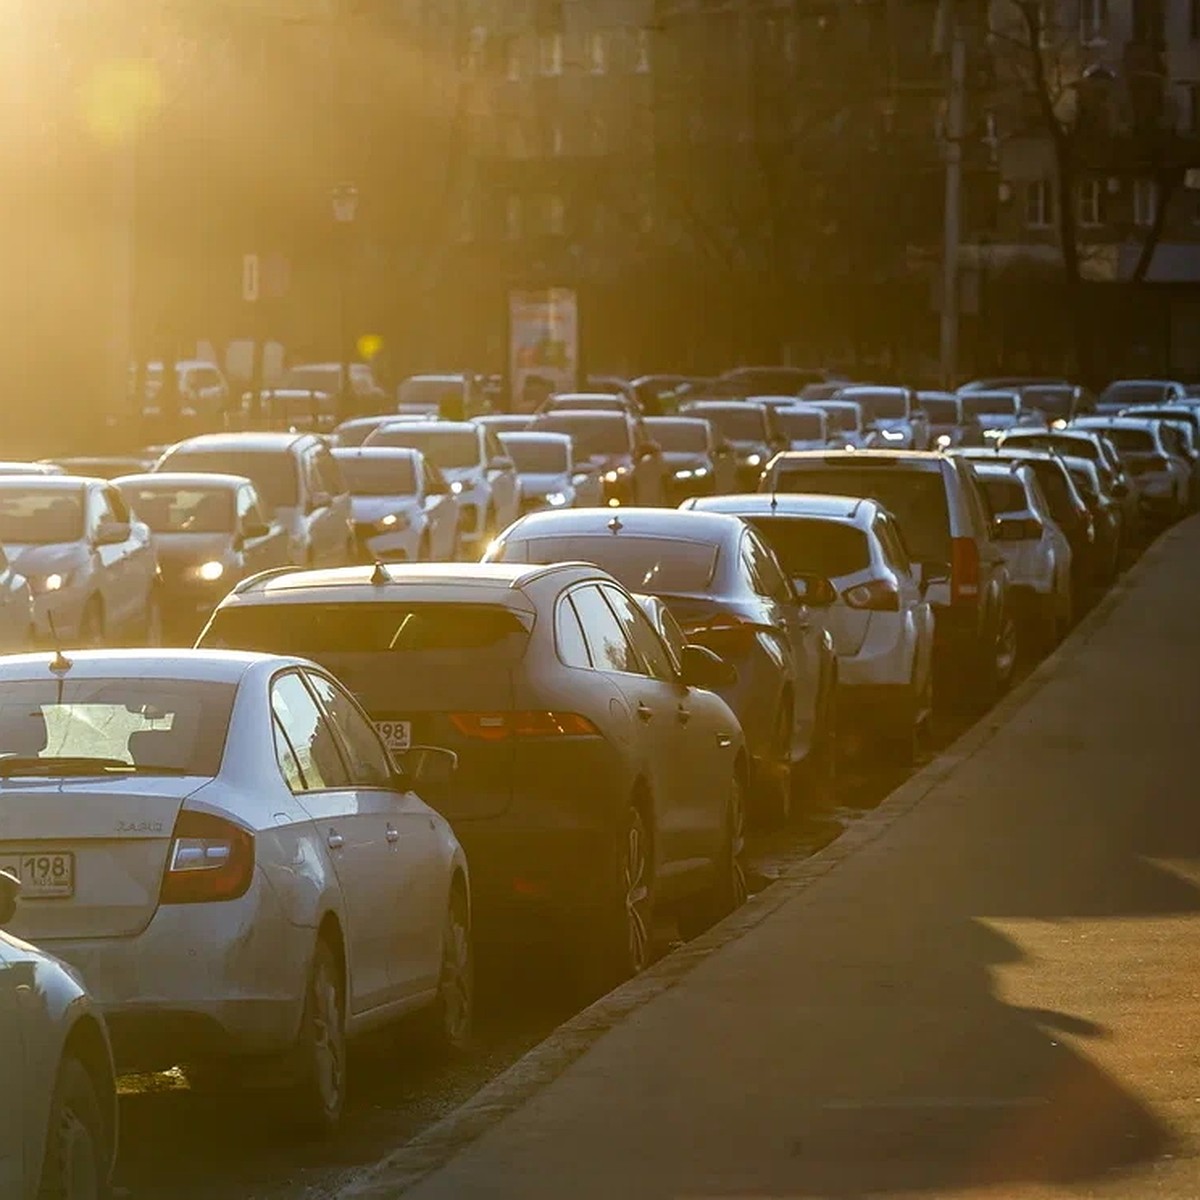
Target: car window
x=491, y=446
x=329, y=473
x=1173, y=440
x=981, y=525
x=893, y=549
x=289, y=765
x=249, y=510
x=640, y=632
x=308, y=471
x=369, y=764
x=99, y=508
x=609, y=648
x=116, y=502
x=568, y=636
x=768, y=579
x=308, y=734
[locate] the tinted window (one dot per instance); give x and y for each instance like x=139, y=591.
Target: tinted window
x=640, y=632
x=273, y=472
x=881, y=405
x=1131, y=441
x=329, y=477
x=978, y=404
x=369, y=476
x=769, y=579
x=41, y=516
x=609, y=648
x=534, y=456
x=917, y=499
x=680, y=437
x=369, y=763
x=642, y=564
x=592, y=434
x=308, y=734
x=1054, y=402
x=1134, y=393
x=182, y=509
x=842, y=418
x=941, y=410
x=1004, y=495
x=568, y=636
x=810, y=546
x=449, y=449
x=801, y=426
x=892, y=545
x=1056, y=489
x=737, y=422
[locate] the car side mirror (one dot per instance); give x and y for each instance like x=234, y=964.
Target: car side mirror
x=112, y=533
x=10, y=890
x=427, y=768
x=814, y=591
x=701, y=668
x=500, y=463
x=929, y=573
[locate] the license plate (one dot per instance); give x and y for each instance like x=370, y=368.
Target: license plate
x=42, y=876
x=397, y=735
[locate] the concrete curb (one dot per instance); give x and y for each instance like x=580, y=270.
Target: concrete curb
x=434, y=1147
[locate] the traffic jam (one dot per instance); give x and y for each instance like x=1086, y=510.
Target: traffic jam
x=304, y=730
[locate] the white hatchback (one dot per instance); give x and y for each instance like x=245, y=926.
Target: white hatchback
x=848, y=561
x=222, y=848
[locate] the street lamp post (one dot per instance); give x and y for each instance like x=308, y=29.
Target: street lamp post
x=345, y=209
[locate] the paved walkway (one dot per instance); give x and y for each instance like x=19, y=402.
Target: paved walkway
x=995, y=992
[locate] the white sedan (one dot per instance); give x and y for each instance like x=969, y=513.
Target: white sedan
x=403, y=508
x=90, y=563
x=222, y=848
x=58, y=1099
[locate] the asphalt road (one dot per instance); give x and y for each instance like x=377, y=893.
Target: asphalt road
x=177, y=1146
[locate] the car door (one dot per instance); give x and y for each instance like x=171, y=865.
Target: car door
x=108, y=562
x=647, y=464
x=414, y=864
x=138, y=562
x=15, y=1088
x=331, y=522
x=916, y=610
x=266, y=550
x=704, y=764
x=503, y=481
x=772, y=585
x=442, y=511
x=352, y=826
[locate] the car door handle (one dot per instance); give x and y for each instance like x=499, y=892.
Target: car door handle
x=684, y=714
x=393, y=835
x=644, y=712
x=335, y=840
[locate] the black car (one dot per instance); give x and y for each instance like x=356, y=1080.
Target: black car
x=617, y=446
x=698, y=461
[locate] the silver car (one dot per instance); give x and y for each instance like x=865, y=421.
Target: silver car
x=222, y=848
x=545, y=465
x=58, y=1101
x=90, y=562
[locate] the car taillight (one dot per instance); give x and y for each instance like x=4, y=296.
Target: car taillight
x=964, y=570
x=876, y=595
x=499, y=726
x=211, y=859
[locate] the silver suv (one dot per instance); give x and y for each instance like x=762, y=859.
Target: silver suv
x=944, y=520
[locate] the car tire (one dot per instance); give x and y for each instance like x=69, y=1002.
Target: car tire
x=773, y=799
x=317, y=1097
x=446, y=1024
x=77, y=1158
x=727, y=892
x=91, y=624
x=620, y=943
x=819, y=774
x=902, y=741
x=1001, y=658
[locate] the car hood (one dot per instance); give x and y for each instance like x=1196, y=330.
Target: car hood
x=36, y=560
x=177, y=550
x=539, y=483
x=366, y=510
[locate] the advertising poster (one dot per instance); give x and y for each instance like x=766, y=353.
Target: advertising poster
x=543, y=345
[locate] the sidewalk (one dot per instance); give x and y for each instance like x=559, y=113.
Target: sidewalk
x=995, y=992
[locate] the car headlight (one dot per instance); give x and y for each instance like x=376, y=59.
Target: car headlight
x=753, y=460
x=892, y=435
x=993, y=433
x=684, y=474
x=1058, y=424
x=457, y=487
x=392, y=522
x=208, y=572
x=54, y=582
x=556, y=499
x=943, y=441
x=615, y=474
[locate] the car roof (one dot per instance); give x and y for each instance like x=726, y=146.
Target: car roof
x=1102, y=422
x=248, y=440
x=916, y=460
x=457, y=377
x=1140, y=383
x=608, y=397
x=374, y=452
x=852, y=389
x=405, y=422
x=834, y=403
x=674, y=420
x=673, y=523
x=999, y=467
x=729, y=405
x=792, y=504
x=214, y=666
x=545, y=436
x=49, y=482
x=181, y=479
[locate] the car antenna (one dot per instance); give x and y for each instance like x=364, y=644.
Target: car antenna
x=380, y=574
x=60, y=664
x=615, y=525
x=774, y=502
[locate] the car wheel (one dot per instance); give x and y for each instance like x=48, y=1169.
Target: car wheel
x=728, y=891
x=774, y=801
x=621, y=946
x=318, y=1095
x=76, y=1162
x=91, y=625
x=448, y=1020
x=1002, y=658
x=820, y=769
x=902, y=741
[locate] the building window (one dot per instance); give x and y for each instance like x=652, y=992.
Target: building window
x=550, y=53
x=1090, y=208
x=556, y=216
x=512, y=60
x=641, y=51
x=512, y=218
x=597, y=53
x=1093, y=22
x=1145, y=202
x=1039, y=204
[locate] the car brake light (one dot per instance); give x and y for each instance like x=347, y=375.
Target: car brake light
x=499, y=726
x=876, y=595
x=964, y=570
x=210, y=859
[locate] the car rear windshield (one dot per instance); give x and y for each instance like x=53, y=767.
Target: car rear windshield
x=449, y=449
x=1003, y=495
x=354, y=433
x=811, y=547
x=842, y=417
x=593, y=434
x=880, y=405
x=917, y=499
x=1134, y=393
x=1054, y=402
x=321, y=630
x=801, y=426
x=182, y=509
x=1131, y=441
x=941, y=410
x=177, y=726
x=680, y=437
x=1056, y=488
x=532, y=456
x=378, y=476
x=273, y=472
x=40, y=516
x=978, y=404
x=642, y=564
x=737, y=422
x=1084, y=447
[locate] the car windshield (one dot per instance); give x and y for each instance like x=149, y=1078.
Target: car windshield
x=737, y=422
x=642, y=564
x=800, y=425
x=917, y=499
x=941, y=410
x=40, y=516
x=1147, y=392
x=169, y=509
x=533, y=456
x=1003, y=495
x=680, y=437
x=881, y=405
x=273, y=472
x=165, y=725
x=843, y=418
x=431, y=391
x=1131, y=441
x=369, y=476
x=593, y=434
x=354, y=433
x=1062, y=443
x=313, y=379
x=1054, y=402
x=979, y=404
x=449, y=449
x=809, y=546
